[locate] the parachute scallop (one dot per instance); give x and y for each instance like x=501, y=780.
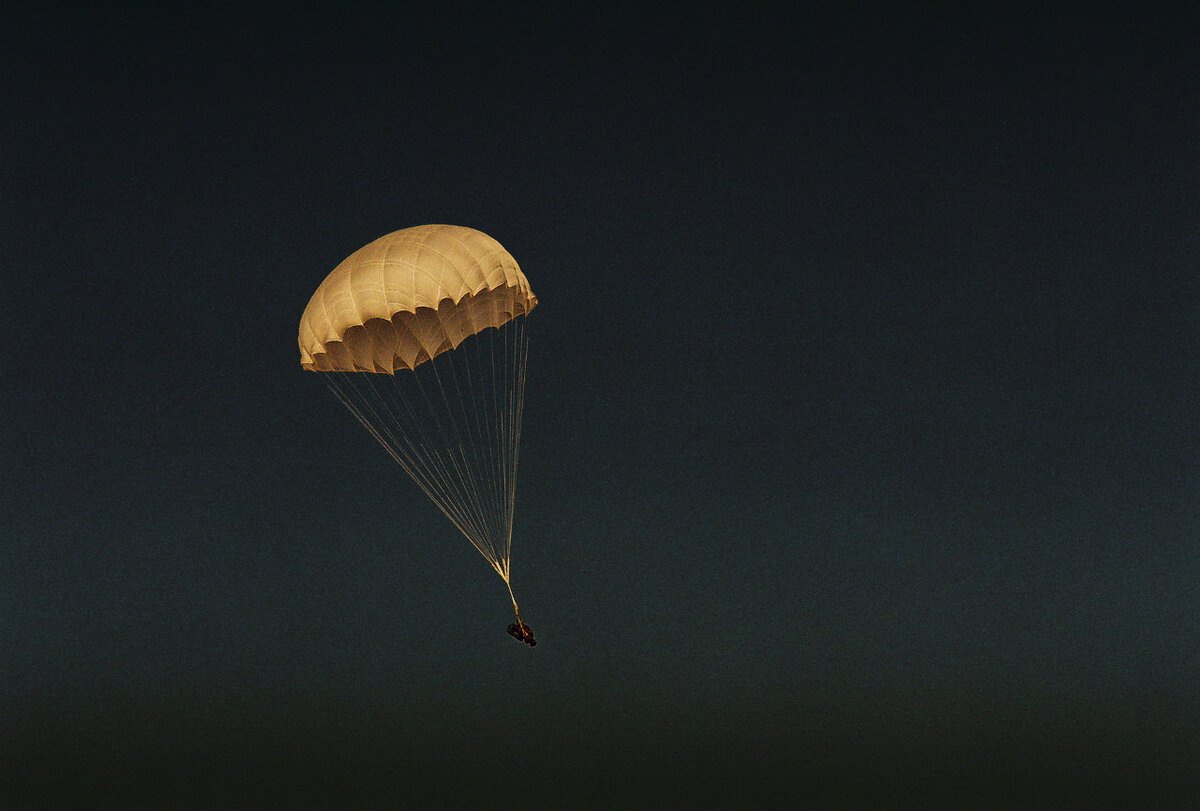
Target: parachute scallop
x=421, y=335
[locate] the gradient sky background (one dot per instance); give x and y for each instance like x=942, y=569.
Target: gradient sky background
x=861, y=454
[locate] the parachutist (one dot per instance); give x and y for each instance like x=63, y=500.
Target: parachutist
x=522, y=632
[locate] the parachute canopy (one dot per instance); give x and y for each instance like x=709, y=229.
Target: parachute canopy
x=421, y=335
x=409, y=296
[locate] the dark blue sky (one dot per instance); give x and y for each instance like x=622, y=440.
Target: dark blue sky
x=861, y=457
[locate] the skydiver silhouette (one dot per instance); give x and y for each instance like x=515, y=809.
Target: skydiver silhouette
x=522, y=632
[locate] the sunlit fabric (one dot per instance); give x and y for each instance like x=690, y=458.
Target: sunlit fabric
x=408, y=297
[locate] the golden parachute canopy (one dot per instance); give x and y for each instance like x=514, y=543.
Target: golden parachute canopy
x=409, y=296
x=421, y=335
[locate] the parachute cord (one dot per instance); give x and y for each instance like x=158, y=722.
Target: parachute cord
x=460, y=448
x=516, y=610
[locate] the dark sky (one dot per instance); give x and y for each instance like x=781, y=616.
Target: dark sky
x=861, y=462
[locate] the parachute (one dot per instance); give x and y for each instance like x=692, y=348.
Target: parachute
x=421, y=335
